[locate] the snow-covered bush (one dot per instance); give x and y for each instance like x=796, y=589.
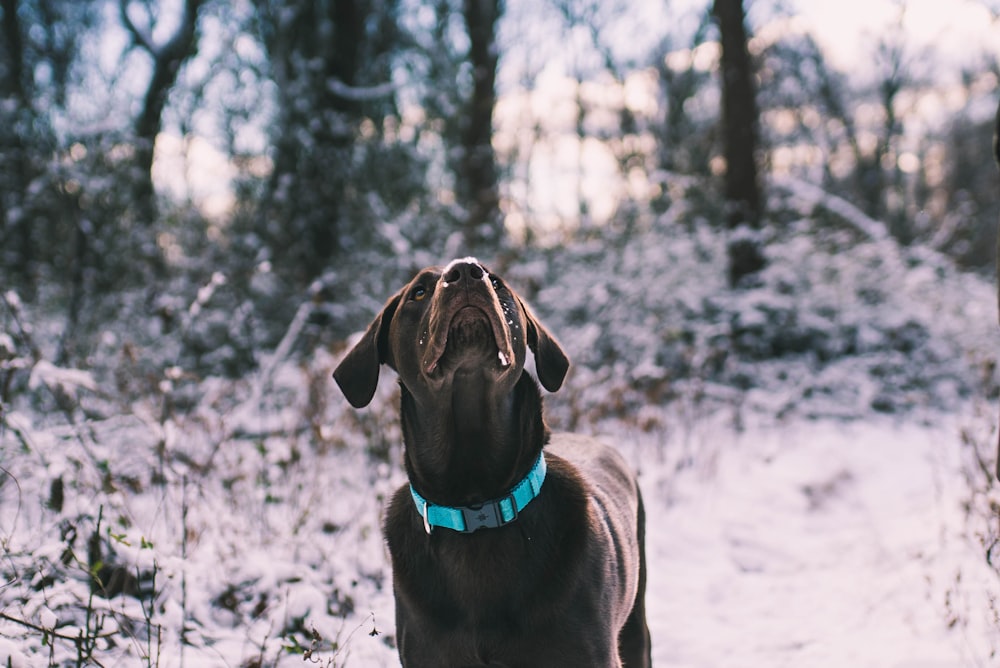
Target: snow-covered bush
x=834, y=325
x=189, y=492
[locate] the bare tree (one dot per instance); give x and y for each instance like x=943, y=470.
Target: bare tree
x=996, y=154
x=16, y=231
x=739, y=121
x=167, y=60
x=476, y=177
x=681, y=146
x=331, y=64
x=39, y=47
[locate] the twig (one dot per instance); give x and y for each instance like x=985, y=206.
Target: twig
x=17, y=510
x=52, y=632
x=285, y=346
x=263, y=380
x=184, y=543
x=13, y=304
x=142, y=39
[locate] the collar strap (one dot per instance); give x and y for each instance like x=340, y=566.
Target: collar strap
x=485, y=515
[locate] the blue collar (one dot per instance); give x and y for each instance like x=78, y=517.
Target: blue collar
x=485, y=515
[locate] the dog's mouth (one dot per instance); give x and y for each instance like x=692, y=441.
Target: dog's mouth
x=471, y=335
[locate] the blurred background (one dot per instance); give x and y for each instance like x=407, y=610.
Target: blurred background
x=147, y=145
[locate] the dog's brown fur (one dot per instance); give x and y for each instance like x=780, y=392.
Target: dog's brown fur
x=563, y=584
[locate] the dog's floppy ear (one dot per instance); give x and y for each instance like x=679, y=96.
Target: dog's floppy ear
x=551, y=362
x=357, y=373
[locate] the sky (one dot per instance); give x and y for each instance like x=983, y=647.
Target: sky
x=940, y=40
x=956, y=27
x=540, y=54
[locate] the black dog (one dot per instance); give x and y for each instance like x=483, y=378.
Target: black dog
x=501, y=555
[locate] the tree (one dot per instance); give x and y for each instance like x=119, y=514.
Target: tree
x=168, y=58
x=331, y=63
x=39, y=46
x=739, y=129
x=681, y=145
x=476, y=170
x=996, y=154
x=17, y=115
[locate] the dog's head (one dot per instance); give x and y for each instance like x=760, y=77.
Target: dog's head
x=461, y=319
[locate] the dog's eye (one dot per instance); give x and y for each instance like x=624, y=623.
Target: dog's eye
x=418, y=293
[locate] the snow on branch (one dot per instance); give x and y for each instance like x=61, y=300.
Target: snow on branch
x=140, y=37
x=850, y=214
x=359, y=94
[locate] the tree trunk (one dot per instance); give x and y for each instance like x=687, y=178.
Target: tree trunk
x=313, y=47
x=15, y=227
x=167, y=61
x=996, y=153
x=476, y=178
x=739, y=131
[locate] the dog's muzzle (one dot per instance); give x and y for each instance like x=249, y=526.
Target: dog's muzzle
x=465, y=284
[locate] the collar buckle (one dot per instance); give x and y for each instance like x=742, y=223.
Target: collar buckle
x=488, y=515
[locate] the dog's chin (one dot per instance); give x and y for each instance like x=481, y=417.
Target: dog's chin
x=471, y=347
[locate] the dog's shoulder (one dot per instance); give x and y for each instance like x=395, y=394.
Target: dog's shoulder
x=606, y=477
x=599, y=463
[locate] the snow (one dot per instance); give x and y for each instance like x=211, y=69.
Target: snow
x=816, y=544
x=811, y=452
x=67, y=380
x=819, y=543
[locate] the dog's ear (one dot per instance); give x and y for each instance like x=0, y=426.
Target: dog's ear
x=357, y=373
x=551, y=362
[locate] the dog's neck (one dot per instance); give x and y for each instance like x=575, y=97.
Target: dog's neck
x=474, y=446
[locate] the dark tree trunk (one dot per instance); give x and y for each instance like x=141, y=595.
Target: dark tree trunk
x=167, y=61
x=996, y=154
x=13, y=47
x=739, y=131
x=476, y=187
x=323, y=55
x=15, y=227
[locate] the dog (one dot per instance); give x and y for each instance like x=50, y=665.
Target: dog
x=511, y=546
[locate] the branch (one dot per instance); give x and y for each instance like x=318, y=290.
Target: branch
x=847, y=212
x=52, y=632
x=177, y=48
x=358, y=94
x=142, y=39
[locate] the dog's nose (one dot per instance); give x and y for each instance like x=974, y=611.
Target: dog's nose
x=460, y=272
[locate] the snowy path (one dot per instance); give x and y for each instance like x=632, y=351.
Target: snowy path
x=815, y=545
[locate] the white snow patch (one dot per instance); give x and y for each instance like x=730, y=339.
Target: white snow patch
x=67, y=380
x=814, y=544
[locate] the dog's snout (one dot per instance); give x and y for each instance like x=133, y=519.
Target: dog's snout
x=462, y=271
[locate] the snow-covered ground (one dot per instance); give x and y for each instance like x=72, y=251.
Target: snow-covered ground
x=806, y=543
x=805, y=447
x=818, y=544
x=809, y=544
